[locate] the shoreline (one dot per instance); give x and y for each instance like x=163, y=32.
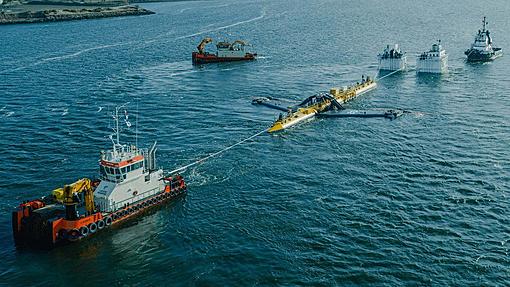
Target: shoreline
x=69, y=13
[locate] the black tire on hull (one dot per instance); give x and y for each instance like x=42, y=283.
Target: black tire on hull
x=84, y=231
x=100, y=224
x=73, y=234
x=92, y=227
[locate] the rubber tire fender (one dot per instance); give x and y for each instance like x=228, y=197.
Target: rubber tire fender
x=100, y=224
x=84, y=231
x=73, y=235
x=92, y=227
x=108, y=221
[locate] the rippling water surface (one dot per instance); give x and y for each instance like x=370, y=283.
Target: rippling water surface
x=422, y=200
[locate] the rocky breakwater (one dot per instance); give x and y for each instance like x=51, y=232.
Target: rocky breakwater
x=52, y=15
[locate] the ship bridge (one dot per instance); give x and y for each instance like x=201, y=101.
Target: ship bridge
x=115, y=165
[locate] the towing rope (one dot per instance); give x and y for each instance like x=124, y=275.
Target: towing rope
x=183, y=168
x=394, y=72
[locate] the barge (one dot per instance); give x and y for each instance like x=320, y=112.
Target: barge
x=226, y=52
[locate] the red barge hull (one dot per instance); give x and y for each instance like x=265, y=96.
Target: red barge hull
x=34, y=226
x=206, y=58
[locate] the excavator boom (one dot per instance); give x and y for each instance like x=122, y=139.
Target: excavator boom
x=66, y=194
x=202, y=44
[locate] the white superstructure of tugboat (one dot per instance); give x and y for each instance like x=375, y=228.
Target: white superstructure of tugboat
x=481, y=50
x=392, y=59
x=433, y=61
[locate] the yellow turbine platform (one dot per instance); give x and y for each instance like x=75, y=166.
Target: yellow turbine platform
x=341, y=95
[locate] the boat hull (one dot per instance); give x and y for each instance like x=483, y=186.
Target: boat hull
x=292, y=121
x=199, y=58
x=476, y=56
x=50, y=230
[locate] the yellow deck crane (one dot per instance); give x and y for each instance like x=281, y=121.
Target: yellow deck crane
x=66, y=196
x=203, y=43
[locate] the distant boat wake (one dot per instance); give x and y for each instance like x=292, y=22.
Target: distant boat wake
x=64, y=57
x=262, y=15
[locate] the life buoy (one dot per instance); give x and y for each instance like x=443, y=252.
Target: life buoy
x=84, y=231
x=73, y=234
x=100, y=224
x=108, y=221
x=93, y=227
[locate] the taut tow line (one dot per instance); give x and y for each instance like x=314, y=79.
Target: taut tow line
x=387, y=75
x=183, y=168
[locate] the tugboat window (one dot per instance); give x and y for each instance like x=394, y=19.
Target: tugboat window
x=102, y=171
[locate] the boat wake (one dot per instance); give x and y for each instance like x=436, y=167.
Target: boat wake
x=64, y=57
x=262, y=15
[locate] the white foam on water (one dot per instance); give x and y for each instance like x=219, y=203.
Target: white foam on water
x=262, y=15
x=64, y=57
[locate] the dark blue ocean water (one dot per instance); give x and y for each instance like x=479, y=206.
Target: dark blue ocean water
x=422, y=200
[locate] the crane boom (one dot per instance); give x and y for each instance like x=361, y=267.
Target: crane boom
x=202, y=44
x=66, y=194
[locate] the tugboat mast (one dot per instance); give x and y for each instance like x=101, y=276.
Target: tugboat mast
x=117, y=128
x=484, y=22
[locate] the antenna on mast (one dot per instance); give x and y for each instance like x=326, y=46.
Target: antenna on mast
x=116, y=129
x=136, y=127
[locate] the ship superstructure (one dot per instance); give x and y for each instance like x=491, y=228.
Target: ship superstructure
x=392, y=59
x=482, y=50
x=129, y=184
x=225, y=52
x=433, y=61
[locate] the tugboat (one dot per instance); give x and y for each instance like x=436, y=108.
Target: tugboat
x=434, y=61
x=316, y=104
x=226, y=52
x=129, y=184
x=392, y=59
x=481, y=50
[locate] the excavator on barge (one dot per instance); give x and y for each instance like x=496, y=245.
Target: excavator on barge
x=226, y=52
x=129, y=184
